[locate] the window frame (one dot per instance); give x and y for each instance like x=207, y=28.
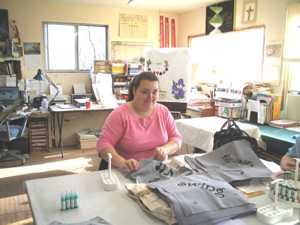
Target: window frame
x=76, y=26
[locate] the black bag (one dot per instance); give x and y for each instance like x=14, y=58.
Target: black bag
x=230, y=131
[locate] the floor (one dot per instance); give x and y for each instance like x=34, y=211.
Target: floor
x=14, y=206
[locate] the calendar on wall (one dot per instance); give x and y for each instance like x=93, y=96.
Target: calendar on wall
x=133, y=26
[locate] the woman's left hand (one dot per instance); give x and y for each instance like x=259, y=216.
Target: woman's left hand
x=160, y=153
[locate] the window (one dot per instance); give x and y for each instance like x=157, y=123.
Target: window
x=72, y=47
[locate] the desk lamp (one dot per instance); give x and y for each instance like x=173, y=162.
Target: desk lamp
x=40, y=76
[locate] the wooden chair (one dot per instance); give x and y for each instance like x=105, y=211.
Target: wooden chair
x=177, y=109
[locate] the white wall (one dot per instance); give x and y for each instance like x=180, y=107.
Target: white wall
x=270, y=13
x=30, y=14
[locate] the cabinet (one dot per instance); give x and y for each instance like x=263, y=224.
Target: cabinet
x=39, y=131
x=120, y=85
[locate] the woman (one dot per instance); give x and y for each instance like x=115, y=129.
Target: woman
x=139, y=129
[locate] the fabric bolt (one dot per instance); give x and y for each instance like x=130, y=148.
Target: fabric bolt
x=151, y=202
x=234, y=161
x=123, y=130
x=152, y=170
x=294, y=151
x=197, y=199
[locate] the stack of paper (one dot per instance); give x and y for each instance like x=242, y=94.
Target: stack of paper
x=103, y=89
x=283, y=123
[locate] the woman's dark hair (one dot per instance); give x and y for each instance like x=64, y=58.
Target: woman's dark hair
x=134, y=84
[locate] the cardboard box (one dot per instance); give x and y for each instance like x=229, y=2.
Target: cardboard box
x=86, y=140
x=87, y=144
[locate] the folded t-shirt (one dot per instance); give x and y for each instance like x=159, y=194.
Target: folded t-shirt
x=94, y=221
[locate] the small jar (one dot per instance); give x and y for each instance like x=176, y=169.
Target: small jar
x=87, y=103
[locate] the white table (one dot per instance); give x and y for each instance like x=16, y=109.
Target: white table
x=199, y=132
x=116, y=207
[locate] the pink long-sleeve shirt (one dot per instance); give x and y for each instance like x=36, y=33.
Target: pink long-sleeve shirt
x=135, y=137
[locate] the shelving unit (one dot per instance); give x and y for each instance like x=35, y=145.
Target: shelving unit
x=120, y=85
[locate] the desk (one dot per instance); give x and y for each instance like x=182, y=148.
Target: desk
x=199, y=132
x=116, y=207
x=58, y=113
x=278, y=140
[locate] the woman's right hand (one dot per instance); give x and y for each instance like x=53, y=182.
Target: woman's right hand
x=131, y=165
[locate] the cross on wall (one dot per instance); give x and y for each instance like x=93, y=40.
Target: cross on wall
x=250, y=12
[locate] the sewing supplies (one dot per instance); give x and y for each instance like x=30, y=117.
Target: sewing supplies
x=288, y=187
x=68, y=200
x=274, y=212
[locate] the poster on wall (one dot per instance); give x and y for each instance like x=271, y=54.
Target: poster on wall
x=32, y=48
x=249, y=11
x=32, y=53
x=219, y=17
x=173, y=34
x=133, y=26
x=167, y=32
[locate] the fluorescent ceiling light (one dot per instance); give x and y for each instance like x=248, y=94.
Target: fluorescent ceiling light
x=134, y=2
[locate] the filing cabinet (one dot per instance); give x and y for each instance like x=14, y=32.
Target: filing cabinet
x=39, y=131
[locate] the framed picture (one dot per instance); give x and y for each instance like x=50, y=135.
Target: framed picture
x=273, y=50
x=249, y=11
x=32, y=48
x=219, y=17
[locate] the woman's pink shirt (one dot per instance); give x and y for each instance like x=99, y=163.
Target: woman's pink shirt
x=134, y=137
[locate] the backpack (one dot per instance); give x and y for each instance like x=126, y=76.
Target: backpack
x=230, y=131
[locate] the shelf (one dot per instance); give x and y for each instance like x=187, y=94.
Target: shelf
x=120, y=84
x=121, y=76
x=9, y=59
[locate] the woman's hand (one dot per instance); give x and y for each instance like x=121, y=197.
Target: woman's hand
x=287, y=163
x=160, y=153
x=130, y=165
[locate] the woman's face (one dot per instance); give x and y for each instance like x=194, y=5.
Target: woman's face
x=146, y=94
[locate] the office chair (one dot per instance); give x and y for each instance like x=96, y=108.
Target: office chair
x=12, y=129
x=103, y=165
x=177, y=109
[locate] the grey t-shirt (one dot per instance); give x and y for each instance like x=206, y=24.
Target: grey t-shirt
x=197, y=199
x=94, y=221
x=234, y=161
x=153, y=170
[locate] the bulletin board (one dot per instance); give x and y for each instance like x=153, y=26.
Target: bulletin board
x=128, y=50
x=133, y=26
